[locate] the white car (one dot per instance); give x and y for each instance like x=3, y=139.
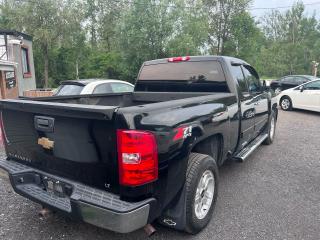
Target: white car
x=92, y=86
x=305, y=96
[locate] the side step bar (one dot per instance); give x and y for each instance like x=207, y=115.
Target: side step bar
x=245, y=153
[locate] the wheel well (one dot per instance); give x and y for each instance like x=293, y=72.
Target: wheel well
x=204, y=147
x=285, y=96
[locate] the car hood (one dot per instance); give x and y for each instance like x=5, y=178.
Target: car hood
x=285, y=92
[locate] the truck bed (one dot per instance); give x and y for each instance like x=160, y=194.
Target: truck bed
x=84, y=133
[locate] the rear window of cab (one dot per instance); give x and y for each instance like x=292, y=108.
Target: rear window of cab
x=203, y=76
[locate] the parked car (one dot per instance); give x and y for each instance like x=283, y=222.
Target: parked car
x=290, y=82
x=305, y=96
x=132, y=158
x=92, y=86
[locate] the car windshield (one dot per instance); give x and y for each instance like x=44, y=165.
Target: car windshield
x=313, y=78
x=69, y=89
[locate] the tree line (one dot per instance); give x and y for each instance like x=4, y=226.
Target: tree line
x=112, y=38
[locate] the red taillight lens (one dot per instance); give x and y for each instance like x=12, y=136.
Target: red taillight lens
x=137, y=157
x=179, y=59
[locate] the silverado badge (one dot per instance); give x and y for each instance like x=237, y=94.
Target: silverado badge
x=46, y=143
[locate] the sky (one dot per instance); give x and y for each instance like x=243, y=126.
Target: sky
x=283, y=3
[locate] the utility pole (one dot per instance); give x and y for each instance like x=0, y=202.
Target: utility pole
x=315, y=65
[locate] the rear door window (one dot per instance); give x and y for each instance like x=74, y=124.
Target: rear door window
x=102, y=88
x=121, y=87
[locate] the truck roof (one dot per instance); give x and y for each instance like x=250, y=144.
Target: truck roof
x=202, y=58
x=84, y=82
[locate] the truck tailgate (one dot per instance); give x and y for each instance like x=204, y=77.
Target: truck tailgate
x=68, y=140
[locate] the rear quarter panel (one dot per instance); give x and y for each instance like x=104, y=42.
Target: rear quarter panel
x=199, y=117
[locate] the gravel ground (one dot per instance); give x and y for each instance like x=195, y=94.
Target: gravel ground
x=275, y=194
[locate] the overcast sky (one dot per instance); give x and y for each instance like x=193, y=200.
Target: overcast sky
x=276, y=3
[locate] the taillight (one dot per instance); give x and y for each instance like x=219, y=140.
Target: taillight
x=137, y=157
x=179, y=59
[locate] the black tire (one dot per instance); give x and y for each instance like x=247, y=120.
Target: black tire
x=286, y=103
x=271, y=130
x=198, y=165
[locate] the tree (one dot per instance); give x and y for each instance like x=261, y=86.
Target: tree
x=144, y=32
x=221, y=13
x=190, y=29
x=43, y=20
x=292, y=38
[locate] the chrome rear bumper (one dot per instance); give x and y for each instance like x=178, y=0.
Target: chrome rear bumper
x=94, y=206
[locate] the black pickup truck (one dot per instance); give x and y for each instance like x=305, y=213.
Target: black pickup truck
x=123, y=161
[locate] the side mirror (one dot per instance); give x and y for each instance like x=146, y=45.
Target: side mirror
x=264, y=85
x=301, y=88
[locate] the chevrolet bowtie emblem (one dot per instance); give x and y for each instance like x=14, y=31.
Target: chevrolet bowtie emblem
x=46, y=143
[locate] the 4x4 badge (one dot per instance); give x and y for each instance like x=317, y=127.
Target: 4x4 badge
x=46, y=143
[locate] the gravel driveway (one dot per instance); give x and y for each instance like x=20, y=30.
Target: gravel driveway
x=275, y=194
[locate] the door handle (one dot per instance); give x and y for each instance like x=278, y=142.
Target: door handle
x=44, y=124
x=257, y=103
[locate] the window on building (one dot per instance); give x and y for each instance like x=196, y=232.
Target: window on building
x=25, y=62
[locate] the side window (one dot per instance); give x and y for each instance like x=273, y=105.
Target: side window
x=238, y=74
x=300, y=80
x=282, y=80
x=288, y=80
x=25, y=61
x=102, y=88
x=252, y=78
x=121, y=87
x=312, y=86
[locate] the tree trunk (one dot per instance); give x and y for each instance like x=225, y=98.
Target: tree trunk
x=77, y=69
x=46, y=65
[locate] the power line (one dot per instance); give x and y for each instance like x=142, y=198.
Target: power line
x=188, y=7
x=282, y=7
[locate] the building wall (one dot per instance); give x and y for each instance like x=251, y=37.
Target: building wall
x=8, y=92
x=24, y=82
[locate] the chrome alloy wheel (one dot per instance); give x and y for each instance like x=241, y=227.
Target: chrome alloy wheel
x=285, y=104
x=204, y=194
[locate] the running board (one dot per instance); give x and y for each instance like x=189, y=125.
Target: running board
x=245, y=153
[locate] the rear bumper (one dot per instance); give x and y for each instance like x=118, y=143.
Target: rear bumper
x=79, y=201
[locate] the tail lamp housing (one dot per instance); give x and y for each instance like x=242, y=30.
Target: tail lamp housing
x=137, y=157
x=179, y=59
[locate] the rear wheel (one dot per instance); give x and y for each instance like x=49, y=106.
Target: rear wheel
x=201, y=191
x=286, y=103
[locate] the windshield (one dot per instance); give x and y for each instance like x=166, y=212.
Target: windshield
x=70, y=89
